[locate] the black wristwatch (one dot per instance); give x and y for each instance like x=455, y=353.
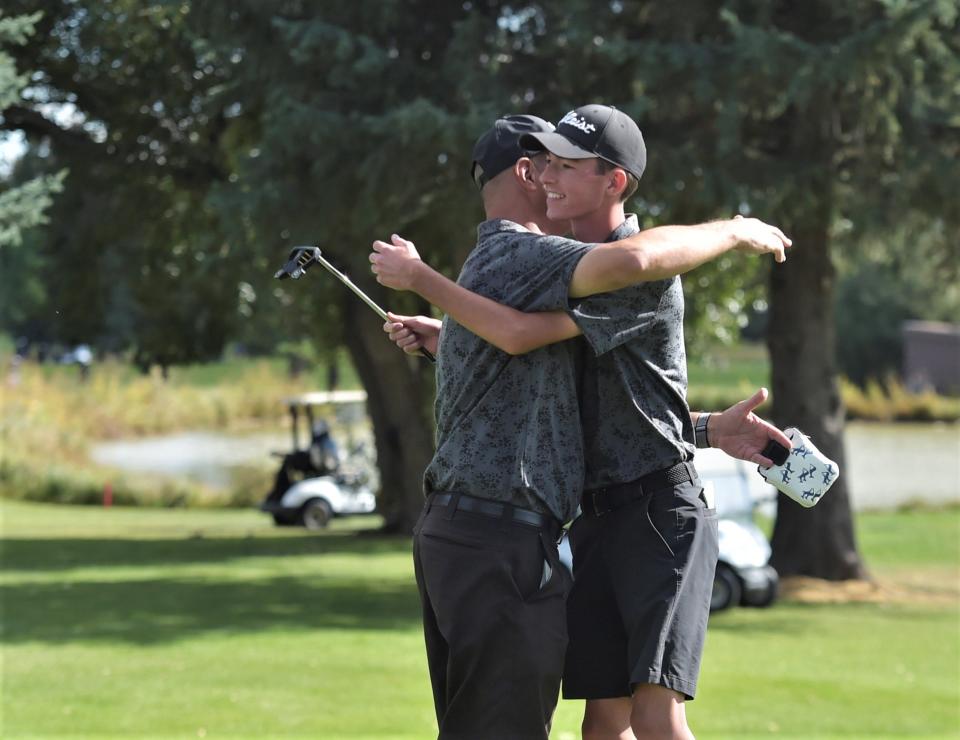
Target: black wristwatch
x=700, y=438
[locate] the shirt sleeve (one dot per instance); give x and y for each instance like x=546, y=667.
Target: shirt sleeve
x=542, y=272
x=608, y=320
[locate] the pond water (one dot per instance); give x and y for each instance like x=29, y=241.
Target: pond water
x=892, y=464
x=201, y=457
x=887, y=464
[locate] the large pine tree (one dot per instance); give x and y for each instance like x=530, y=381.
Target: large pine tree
x=22, y=205
x=847, y=118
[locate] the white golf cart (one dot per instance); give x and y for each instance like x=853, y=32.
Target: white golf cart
x=315, y=483
x=744, y=575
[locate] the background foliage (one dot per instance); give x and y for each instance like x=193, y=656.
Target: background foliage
x=203, y=140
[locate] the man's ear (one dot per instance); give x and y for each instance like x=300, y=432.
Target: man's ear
x=618, y=181
x=523, y=169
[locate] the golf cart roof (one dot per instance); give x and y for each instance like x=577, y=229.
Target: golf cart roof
x=326, y=398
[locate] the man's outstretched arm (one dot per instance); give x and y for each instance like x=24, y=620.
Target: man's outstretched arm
x=666, y=251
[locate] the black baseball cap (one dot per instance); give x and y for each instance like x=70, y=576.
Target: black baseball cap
x=594, y=131
x=499, y=147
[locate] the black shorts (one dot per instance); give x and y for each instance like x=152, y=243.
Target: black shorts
x=638, y=610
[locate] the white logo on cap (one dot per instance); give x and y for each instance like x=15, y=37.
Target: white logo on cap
x=571, y=119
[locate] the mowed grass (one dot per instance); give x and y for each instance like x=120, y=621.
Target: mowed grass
x=183, y=623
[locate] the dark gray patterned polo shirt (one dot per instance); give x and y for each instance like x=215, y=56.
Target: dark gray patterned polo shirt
x=508, y=427
x=635, y=414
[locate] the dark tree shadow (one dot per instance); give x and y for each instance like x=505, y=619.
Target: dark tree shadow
x=157, y=611
x=69, y=554
x=148, y=611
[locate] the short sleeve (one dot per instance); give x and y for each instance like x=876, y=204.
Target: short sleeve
x=533, y=275
x=609, y=320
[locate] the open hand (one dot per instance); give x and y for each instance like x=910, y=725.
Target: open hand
x=742, y=434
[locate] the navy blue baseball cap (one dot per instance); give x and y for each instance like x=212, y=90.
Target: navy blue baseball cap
x=594, y=131
x=499, y=147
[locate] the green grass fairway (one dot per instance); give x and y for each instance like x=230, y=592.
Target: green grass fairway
x=180, y=623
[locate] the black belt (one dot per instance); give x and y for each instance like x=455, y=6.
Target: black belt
x=599, y=501
x=494, y=509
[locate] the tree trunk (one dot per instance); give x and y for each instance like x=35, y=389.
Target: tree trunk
x=819, y=541
x=400, y=393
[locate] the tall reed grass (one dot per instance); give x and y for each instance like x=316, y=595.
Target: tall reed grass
x=891, y=401
x=49, y=416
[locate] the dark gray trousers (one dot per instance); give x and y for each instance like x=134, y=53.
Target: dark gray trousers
x=495, y=631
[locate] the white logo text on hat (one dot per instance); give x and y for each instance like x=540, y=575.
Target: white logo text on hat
x=571, y=119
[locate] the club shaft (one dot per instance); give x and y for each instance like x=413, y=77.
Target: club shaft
x=363, y=297
x=349, y=283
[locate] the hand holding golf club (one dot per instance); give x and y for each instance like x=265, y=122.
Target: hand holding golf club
x=302, y=258
x=413, y=333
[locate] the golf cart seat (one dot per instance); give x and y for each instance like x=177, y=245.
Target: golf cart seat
x=321, y=458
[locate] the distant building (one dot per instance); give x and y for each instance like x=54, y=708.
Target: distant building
x=931, y=356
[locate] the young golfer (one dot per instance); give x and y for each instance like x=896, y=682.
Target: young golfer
x=645, y=548
x=508, y=467
x=639, y=606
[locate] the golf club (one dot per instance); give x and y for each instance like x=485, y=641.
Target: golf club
x=302, y=258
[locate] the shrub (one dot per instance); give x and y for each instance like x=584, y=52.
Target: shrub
x=891, y=401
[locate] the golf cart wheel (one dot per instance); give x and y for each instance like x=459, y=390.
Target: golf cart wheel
x=726, y=589
x=765, y=596
x=316, y=514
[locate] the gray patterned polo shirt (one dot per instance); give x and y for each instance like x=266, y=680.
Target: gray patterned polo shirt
x=508, y=427
x=635, y=414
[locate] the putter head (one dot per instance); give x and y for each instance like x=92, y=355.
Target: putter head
x=299, y=261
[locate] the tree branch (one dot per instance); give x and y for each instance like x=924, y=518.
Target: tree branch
x=31, y=122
